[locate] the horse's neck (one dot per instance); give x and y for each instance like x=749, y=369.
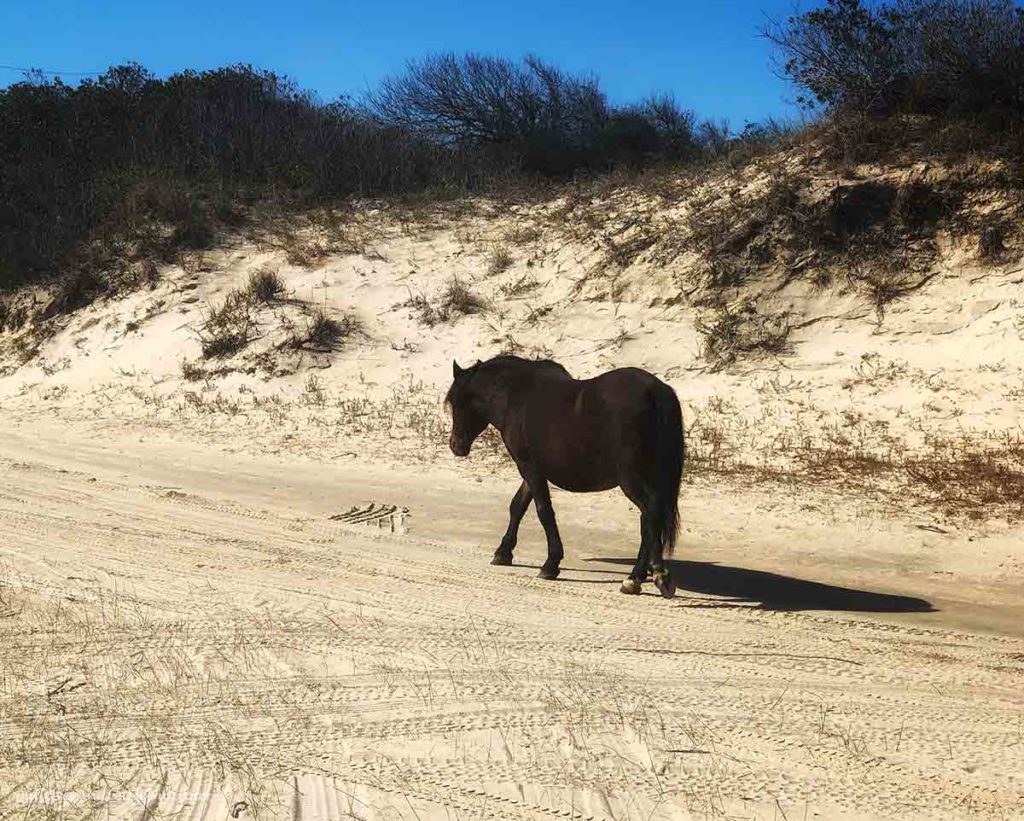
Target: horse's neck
x=487, y=388
x=504, y=391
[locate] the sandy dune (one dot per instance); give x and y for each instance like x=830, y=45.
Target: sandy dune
x=187, y=634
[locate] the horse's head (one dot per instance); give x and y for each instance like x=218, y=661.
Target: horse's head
x=468, y=414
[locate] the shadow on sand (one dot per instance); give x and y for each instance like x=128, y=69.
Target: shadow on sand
x=774, y=591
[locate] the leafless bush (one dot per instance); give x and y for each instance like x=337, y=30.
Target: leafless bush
x=530, y=114
x=960, y=57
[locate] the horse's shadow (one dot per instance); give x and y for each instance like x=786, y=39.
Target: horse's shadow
x=773, y=591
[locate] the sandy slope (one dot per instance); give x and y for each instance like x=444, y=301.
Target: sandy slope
x=942, y=366
x=186, y=634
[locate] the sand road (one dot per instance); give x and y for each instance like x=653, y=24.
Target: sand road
x=186, y=634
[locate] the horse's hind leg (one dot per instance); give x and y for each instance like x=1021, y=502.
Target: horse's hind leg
x=662, y=575
x=650, y=553
x=634, y=583
x=516, y=510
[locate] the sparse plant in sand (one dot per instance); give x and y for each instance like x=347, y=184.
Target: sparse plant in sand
x=965, y=475
x=264, y=284
x=313, y=391
x=518, y=287
x=227, y=328
x=192, y=262
x=738, y=331
x=522, y=235
x=192, y=371
x=623, y=251
x=885, y=287
x=499, y=261
x=308, y=237
x=454, y=300
x=324, y=332
x=458, y=300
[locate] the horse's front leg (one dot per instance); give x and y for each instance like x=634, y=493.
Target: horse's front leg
x=516, y=510
x=546, y=514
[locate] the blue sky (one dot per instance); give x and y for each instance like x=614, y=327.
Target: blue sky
x=708, y=54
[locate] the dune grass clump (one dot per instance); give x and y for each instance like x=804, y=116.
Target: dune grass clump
x=324, y=332
x=732, y=333
x=227, y=328
x=264, y=285
x=454, y=300
x=457, y=300
x=499, y=261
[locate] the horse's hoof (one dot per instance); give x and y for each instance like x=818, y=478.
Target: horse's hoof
x=665, y=583
x=549, y=573
x=631, y=587
x=502, y=559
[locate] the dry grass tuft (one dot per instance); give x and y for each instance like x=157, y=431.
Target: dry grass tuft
x=964, y=475
x=192, y=371
x=228, y=328
x=522, y=235
x=325, y=332
x=454, y=300
x=457, y=300
x=520, y=286
x=499, y=261
x=734, y=332
x=264, y=284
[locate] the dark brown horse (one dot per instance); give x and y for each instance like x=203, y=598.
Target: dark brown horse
x=620, y=429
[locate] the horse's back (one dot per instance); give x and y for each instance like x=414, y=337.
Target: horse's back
x=596, y=404
x=627, y=387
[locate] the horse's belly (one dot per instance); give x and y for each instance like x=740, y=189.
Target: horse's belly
x=580, y=464
x=583, y=484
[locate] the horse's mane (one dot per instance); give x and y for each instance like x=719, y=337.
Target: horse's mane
x=518, y=363
x=505, y=370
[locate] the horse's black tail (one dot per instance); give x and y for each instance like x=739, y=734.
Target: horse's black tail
x=670, y=453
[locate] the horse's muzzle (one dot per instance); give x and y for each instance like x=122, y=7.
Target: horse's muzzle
x=459, y=448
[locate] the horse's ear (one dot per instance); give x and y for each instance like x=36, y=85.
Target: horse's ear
x=456, y=370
